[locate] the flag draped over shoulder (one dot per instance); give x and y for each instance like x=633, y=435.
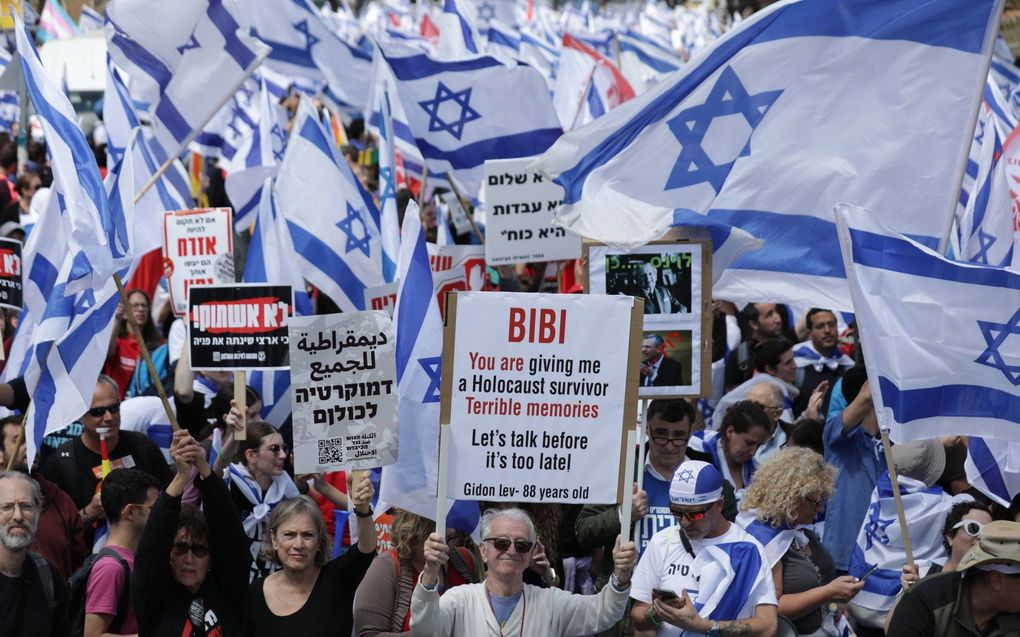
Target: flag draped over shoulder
x=779, y=120
x=942, y=337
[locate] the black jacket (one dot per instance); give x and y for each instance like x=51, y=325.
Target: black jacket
x=26, y=610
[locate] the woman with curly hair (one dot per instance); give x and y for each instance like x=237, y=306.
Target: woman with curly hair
x=788, y=491
x=382, y=607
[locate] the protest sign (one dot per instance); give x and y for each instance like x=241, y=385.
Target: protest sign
x=455, y=212
x=241, y=326
x=673, y=277
x=343, y=375
x=537, y=401
x=198, y=249
x=519, y=223
x=456, y=268
x=10, y=274
x=382, y=297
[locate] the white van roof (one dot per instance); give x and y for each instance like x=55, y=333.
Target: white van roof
x=80, y=60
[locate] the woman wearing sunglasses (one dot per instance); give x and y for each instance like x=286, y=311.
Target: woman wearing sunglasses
x=176, y=589
x=962, y=531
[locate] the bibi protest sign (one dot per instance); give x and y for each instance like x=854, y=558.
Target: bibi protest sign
x=240, y=326
x=198, y=249
x=10, y=274
x=343, y=375
x=536, y=390
x=519, y=223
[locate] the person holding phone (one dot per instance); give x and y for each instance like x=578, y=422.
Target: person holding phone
x=789, y=491
x=503, y=604
x=704, y=575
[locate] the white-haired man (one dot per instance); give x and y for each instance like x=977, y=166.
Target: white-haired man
x=503, y=604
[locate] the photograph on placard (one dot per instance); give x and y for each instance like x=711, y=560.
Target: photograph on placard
x=666, y=361
x=662, y=280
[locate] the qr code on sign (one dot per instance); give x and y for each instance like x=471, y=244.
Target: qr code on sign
x=331, y=450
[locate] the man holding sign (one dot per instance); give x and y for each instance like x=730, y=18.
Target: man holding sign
x=503, y=604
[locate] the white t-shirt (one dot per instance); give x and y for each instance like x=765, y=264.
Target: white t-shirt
x=667, y=564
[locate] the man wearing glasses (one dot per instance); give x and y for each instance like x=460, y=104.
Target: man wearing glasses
x=76, y=467
x=503, y=604
x=33, y=598
x=705, y=575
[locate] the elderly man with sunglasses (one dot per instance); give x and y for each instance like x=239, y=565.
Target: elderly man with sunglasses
x=76, y=465
x=704, y=575
x=503, y=604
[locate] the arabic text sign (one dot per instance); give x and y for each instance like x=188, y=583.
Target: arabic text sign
x=344, y=391
x=198, y=249
x=242, y=326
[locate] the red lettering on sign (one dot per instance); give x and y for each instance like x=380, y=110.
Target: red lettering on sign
x=537, y=325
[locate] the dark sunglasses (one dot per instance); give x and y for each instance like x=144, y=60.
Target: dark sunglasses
x=198, y=550
x=691, y=516
x=502, y=544
x=97, y=412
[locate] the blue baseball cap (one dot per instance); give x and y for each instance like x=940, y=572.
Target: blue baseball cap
x=695, y=482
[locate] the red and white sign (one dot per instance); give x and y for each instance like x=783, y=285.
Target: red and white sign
x=198, y=249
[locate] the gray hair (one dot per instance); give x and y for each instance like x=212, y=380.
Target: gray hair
x=655, y=338
x=17, y=475
x=103, y=378
x=292, y=508
x=518, y=515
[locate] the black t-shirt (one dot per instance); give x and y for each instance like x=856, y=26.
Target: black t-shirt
x=25, y=610
x=328, y=612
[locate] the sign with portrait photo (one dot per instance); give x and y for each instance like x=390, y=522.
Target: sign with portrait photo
x=673, y=278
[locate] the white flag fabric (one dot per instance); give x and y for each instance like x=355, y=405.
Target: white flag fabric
x=588, y=85
x=782, y=118
x=332, y=219
x=185, y=56
x=942, y=337
x=993, y=467
x=644, y=61
x=458, y=35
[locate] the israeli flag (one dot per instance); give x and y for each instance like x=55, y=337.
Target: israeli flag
x=98, y=235
x=389, y=221
x=644, y=61
x=775, y=540
x=728, y=575
x=304, y=45
x=404, y=145
x=333, y=221
x=464, y=112
x=941, y=336
x=185, y=57
x=503, y=42
x=540, y=52
x=411, y=482
x=764, y=130
x=880, y=541
x=458, y=35
x=993, y=468
x=588, y=85
x=90, y=19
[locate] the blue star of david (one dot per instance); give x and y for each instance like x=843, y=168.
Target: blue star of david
x=389, y=188
x=875, y=529
x=443, y=94
x=487, y=12
x=431, y=366
x=310, y=40
x=995, y=336
x=980, y=136
x=192, y=43
x=279, y=141
x=355, y=240
x=727, y=97
x=985, y=242
x=86, y=299
x=686, y=476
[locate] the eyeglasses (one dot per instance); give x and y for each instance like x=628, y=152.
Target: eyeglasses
x=198, y=550
x=663, y=441
x=276, y=449
x=972, y=527
x=97, y=412
x=502, y=544
x=27, y=508
x=691, y=516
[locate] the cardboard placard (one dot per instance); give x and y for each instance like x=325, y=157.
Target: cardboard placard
x=537, y=403
x=519, y=219
x=344, y=387
x=241, y=326
x=382, y=297
x=674, y=279
x=10, y=274
x=455, y=212
x=456, y=268
x=198, y=249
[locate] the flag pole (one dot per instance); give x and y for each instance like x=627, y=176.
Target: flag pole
x=198, y=129
x=171, y=416
x=421, y=186
x=628, y=486
x=241, y=400
x=444, y=468
x=643, y=442
x=580, y=100
x=900, y=513
x=463, y=204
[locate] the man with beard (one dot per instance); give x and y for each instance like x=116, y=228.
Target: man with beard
x=33, y=599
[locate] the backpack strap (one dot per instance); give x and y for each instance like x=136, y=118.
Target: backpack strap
x=42, y=567
x=460, y=565
x=124, y=601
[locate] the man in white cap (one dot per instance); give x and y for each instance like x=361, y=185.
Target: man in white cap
x=704, y=575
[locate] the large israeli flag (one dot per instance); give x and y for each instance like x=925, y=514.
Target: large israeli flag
x=404, y=145
x=942, y=337
x=185, y=57
x=332, y=219
x=993, y=467
x=782, y=118
x=466, y=111
x=98, y=236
